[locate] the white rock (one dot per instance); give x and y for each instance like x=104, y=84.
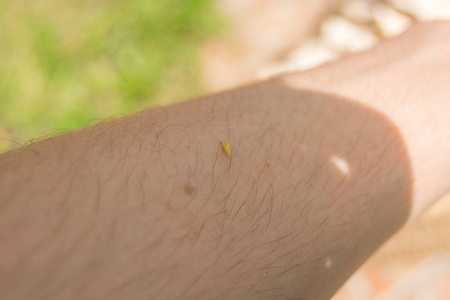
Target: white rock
x=359, y=10
x=426, y=10
x=346, y=36
x=390, y=21
x=310, y=55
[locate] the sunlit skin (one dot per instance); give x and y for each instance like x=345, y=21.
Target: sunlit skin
x=326, y=166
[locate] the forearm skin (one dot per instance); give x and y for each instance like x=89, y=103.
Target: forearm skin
x=149, y=206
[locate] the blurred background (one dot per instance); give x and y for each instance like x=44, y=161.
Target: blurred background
x=68, y=64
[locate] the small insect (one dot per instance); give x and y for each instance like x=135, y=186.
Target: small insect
x=227, y=149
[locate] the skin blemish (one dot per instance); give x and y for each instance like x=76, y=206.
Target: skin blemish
x=170, y=207
x=189, y=189
x=189, y=220
x=227, y=149
x=328, y=263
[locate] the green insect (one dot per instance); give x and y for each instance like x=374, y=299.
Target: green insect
x=227, y=149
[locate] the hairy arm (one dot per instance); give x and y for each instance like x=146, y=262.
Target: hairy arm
x=149, y=206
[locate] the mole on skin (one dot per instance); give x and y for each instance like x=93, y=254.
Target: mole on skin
x=189, y=189
x=227, y=149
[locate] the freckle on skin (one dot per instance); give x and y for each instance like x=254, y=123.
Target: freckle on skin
x=189, y=189
x=170, y=207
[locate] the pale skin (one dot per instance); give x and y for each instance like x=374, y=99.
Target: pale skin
x=326, y=165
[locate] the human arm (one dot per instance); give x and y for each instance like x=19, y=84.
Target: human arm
x=149, y=207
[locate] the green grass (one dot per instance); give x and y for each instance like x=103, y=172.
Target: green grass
x=64, y=64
